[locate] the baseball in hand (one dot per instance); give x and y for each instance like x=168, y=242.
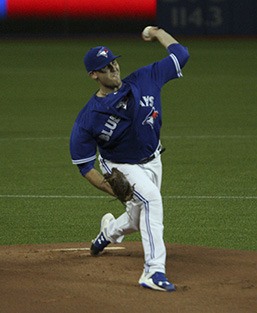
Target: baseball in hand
x=145, y=32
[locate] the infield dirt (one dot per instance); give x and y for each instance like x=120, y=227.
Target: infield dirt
x=38, y=278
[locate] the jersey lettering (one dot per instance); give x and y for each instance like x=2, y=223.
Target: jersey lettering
x=110, y=125
x=147, y=101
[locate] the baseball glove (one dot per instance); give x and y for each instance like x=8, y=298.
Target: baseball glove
x=120, y=185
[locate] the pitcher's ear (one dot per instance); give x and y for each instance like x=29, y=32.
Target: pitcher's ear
x=93, y=75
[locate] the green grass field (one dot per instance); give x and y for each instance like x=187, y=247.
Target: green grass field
x=209, y=131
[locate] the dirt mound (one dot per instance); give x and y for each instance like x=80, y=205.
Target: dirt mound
x=64, y=278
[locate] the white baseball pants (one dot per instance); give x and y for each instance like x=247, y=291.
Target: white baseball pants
x=144, y=213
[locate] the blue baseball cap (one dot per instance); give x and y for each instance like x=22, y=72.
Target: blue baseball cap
x=98, y=57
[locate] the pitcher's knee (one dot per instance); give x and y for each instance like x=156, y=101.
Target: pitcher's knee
x=149, y=195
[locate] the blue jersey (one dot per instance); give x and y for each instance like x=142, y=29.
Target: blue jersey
x=125, y=125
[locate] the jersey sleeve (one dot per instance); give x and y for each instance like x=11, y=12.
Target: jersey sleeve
x=171, y=66
x=82, y=149
x=179, y=53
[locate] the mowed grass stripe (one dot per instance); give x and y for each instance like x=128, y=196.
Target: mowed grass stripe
x=106, y=197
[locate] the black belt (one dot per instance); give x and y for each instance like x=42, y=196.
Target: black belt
x=151, y=157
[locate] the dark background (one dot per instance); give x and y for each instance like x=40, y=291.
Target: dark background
x=185, y=17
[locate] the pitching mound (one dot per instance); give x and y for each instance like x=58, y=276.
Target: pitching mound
x=64, y=278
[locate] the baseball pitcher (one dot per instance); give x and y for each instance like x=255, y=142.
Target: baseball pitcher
x=121, y=124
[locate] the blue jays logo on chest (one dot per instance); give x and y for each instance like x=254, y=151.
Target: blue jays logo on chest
x=151, y=117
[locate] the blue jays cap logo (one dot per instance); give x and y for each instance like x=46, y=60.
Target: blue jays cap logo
x=103, y=52
x=98, y=57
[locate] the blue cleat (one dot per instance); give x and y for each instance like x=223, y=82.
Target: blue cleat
x=156, y=281
x=101, y=241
